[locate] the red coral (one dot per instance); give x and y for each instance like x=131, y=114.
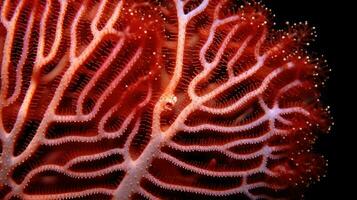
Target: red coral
x=154, y=99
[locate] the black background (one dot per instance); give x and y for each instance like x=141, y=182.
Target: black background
x=336, y=41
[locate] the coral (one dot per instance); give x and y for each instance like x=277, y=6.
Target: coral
x=169, y=99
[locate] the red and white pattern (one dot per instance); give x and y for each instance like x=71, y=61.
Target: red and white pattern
x=169, y=99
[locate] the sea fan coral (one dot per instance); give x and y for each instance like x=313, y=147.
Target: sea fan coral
x=155, y=99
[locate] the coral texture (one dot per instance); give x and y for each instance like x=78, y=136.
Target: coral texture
x=155, y=99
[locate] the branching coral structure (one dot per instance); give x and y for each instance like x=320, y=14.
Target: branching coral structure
x=155, y=99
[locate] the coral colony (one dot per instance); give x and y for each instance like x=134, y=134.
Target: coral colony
x=156, y=99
